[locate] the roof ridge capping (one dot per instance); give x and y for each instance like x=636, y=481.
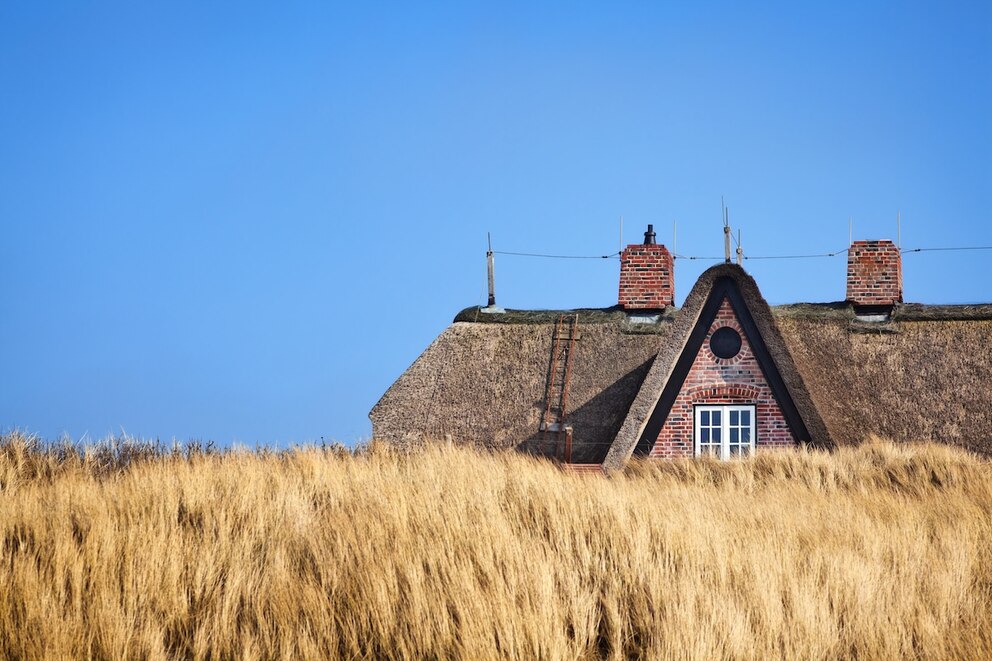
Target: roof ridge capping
x=612, y=315
x=661, y=371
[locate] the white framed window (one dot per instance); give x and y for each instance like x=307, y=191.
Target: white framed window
x=724, y=431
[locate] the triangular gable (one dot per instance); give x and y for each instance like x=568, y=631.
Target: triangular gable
x=724, y=289
x=675, y=358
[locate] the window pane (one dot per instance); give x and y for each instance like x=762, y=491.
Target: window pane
x=716, y=417
x=716, y=435
x=734, y=434
x=746, y=418
x=746, y=435
x=704, y=435
x=735, y=450
x=704, y=417
x=708, y=449
x=733, y=417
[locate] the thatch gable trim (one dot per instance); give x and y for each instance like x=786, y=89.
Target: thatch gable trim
x=698, y=308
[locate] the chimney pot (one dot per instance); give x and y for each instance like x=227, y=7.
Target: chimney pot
x=649, y=236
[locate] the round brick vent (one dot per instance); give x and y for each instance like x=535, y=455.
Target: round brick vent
x=725, y=343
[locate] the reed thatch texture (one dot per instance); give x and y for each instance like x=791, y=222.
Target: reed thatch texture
x=484, y=383
x=905, y=380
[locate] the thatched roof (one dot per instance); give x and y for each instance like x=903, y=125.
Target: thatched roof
x=483, y=382
x=925, y=374
x=905, y=380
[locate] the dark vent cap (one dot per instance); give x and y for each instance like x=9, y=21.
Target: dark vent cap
x=649, y=239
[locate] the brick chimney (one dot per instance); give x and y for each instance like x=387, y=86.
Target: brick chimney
x=647, y=279
x=874, y=273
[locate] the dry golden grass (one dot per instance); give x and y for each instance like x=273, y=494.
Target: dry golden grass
x=881, y=551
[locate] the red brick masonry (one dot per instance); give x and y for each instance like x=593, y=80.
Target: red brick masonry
x=646, y=277
x=874, y=273
x=713, y=380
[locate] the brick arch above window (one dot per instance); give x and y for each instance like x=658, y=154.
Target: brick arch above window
x=728, y=323
x=731, y=391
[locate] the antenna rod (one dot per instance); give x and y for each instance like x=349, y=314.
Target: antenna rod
x=491, y=268
x=740, y=251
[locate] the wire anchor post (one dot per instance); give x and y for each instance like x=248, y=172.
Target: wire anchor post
x=726, y=233
x=491, y=271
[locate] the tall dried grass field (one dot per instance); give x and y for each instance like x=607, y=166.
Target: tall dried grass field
x=880, y=551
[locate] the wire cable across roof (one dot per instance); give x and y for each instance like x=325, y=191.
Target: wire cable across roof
x=824, y=254
x=702, y=257
x=532, y=254
x=947, y=249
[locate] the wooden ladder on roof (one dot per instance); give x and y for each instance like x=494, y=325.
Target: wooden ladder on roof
x=556, y=390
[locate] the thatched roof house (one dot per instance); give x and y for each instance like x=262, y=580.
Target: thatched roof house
x=725, y=374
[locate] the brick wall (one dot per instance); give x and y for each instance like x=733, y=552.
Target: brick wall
x=647, y=279
x=713, y=380
x=874, y=273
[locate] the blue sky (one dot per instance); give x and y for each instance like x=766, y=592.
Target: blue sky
x=243, y=222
